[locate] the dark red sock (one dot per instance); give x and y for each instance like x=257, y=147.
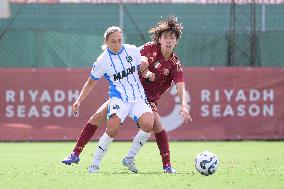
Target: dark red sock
x=163, y=144
x=86, y=134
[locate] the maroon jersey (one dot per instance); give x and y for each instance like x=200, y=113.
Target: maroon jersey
x=165, y=71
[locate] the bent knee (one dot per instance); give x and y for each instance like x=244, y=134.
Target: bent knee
x=147, y=127
x=98, y=119
x=157, y=127
x=112, y=133
x=146, y=122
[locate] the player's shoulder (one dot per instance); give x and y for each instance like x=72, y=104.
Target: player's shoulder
x=149, y=46
x=176, y=64
x=175, y=59
x=102, y=56
x=130, y=47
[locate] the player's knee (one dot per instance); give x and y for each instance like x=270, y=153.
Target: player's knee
x=147, y=128
x=112, y=130
x=113, y=126
x=146, y=122
x=97, y=119
x=157, y=127
x=112, y=133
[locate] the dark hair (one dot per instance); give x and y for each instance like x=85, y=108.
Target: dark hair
x=169, y=24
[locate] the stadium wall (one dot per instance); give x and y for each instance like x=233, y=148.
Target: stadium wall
x=44, y=45
x=225, y=104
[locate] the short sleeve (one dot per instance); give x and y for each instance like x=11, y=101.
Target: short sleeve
x=138, y=57
x=98, y=70
x=177, y=72
x=150, y=50
x=145, y=49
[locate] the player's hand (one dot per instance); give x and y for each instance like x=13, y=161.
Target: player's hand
x=75, y=107
x=144, y=63
x=185, y=114
x=151, y=76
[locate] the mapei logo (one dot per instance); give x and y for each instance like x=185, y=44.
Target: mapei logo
x=124, y=73
x=173, y=120
x=129, y=59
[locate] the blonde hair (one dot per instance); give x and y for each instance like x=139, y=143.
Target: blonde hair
x=109, y=31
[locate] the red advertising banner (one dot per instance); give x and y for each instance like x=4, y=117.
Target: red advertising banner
x=153, y=1
x=225, y=104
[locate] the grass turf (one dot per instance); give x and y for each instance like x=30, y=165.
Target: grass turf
x=243, y=165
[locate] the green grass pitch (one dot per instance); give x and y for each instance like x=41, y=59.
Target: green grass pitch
x=243, y=165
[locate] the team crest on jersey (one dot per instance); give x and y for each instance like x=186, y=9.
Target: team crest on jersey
x=166, y=72
x=129, y=59
x=157, y=65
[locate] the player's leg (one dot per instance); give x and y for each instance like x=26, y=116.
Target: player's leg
x=117, y=112
x=113, y=125
x=90, y=128
x=142, y=113
x=162, y=143
x=161, y=139
x=86, y=134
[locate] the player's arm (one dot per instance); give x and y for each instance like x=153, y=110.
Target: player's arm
x=96, y=73
x=177, y=74
x=147, y=74
x=87, y=88
x=182, y=96
x=144, y=64
x=143, y=67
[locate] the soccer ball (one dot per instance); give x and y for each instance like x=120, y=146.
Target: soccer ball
x=206, y=163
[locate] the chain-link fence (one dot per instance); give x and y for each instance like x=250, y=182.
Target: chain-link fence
x=70, y=35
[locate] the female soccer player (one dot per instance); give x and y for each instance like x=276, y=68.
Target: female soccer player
x=167, y=68
x=119, y=64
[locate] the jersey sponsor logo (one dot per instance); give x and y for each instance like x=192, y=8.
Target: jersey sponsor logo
x=166, y=71
x=123, y=73
x=129, y=59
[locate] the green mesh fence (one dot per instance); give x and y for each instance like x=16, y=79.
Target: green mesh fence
x=71, y=35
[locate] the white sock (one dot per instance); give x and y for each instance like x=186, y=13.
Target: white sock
x=139, y=140
x=102, y=148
